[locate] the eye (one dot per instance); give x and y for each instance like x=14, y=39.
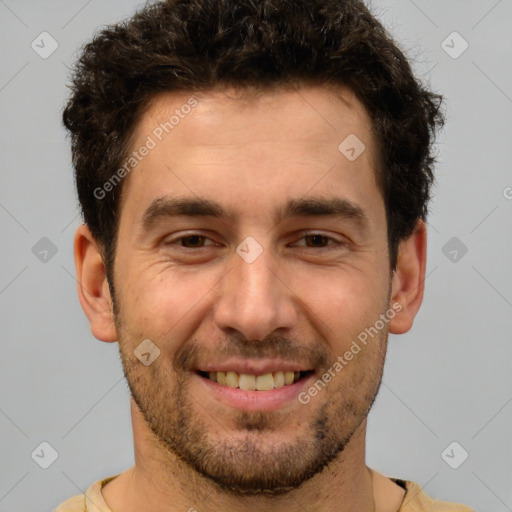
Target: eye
x=191, y=241
x=318, y=241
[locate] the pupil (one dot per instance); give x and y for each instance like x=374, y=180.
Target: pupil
x=317, y=238
x=194, y=238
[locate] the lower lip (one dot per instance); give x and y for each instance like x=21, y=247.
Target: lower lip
x=256, y=400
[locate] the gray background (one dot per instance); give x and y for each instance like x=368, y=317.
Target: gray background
x=447, y=380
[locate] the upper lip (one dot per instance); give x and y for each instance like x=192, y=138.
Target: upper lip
x=259, y=367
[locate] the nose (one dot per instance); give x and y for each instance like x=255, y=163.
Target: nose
x=255, y=298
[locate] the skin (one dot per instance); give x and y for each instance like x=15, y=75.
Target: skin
x=302, y=299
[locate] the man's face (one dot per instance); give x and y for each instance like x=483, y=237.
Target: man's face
x=256, y=286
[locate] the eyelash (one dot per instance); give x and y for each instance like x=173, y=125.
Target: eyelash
x=306, y=235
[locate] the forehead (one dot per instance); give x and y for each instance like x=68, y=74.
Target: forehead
x=322, y=110
x=213, y=143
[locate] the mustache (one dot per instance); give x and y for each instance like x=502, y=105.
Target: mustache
x=191, y=355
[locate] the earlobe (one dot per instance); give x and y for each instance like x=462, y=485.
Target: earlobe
x=409, y=279
x=93, y=289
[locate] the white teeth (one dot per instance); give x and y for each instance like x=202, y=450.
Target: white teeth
x=264, y=382
x=278, y=379
x=288, y=377
x=247, y=381
x=232, y=379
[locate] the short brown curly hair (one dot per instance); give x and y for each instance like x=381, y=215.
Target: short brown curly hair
x=197, y=45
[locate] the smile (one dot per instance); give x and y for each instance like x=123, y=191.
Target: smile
x=250, y=382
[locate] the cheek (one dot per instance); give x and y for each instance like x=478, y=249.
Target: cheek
x=343, y=303
x=162, y=304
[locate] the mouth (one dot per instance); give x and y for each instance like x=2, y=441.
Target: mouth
x=251, y=382
x=256, y=386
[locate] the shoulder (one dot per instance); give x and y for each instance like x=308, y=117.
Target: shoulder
x=416, y=500
x=74, y=504
x=91, y=501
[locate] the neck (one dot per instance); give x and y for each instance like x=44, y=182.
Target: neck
x=159, y=482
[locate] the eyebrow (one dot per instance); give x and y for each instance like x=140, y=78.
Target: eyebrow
x=319, y=206
x=165, y=207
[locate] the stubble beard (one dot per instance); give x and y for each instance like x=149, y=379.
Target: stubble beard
x=248, y=465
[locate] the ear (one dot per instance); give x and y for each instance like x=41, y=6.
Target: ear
x=93, y=289
x=408, y=281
